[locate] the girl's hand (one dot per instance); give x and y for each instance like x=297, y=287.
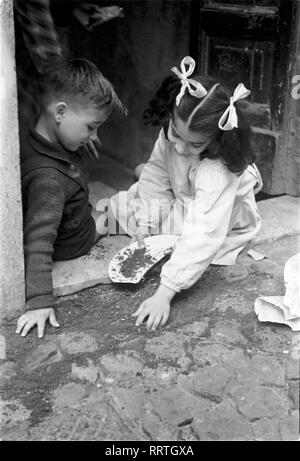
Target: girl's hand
x=156, y=308
x=37, y=317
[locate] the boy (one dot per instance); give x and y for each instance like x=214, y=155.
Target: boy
x=58, y=224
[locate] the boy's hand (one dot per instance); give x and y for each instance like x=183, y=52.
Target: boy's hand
x=37, y=317
x=156, y=308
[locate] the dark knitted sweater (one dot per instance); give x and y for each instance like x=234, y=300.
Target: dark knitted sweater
x=57, y=215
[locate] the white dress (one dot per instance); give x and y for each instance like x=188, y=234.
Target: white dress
x=211, y=209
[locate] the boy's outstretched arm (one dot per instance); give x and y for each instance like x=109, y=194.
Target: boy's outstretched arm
x=45, y=199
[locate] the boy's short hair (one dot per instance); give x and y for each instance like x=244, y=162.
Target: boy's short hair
x=80, y=81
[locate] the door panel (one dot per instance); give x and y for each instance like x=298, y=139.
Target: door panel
x=244, y=61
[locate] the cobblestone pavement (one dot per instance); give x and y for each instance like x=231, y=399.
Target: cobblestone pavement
x=214, y=372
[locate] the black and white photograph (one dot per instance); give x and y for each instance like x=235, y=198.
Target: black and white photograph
x=150, y=223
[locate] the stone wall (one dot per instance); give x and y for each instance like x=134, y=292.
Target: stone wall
x=11, y=235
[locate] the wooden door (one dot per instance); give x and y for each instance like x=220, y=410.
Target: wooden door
x=249, y=41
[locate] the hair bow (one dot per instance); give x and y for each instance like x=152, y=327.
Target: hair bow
x=195, y=88
x=240, y=92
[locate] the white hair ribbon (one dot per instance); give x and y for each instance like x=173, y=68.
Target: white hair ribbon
x=230, y=115
x=195, y=88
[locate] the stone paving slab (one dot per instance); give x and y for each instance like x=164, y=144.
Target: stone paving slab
x=125, y=396
x=2, y=347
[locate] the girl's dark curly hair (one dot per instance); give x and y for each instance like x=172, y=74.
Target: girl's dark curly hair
x=203, y=115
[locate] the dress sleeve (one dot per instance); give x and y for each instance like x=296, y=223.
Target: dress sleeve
x=205, y=226
x=154, y=187
x=45, y=204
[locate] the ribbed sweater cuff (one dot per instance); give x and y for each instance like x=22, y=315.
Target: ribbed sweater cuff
x=40, y=302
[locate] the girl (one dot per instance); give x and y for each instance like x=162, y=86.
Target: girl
x=199, y=182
